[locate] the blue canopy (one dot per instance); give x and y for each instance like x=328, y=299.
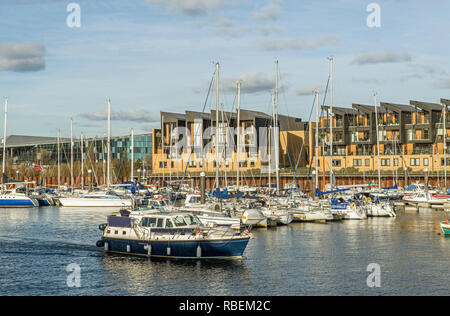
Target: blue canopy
x=320, y=193
x=225, y=196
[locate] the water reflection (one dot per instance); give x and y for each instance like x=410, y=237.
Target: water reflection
x=144, y=276
x=299, y=259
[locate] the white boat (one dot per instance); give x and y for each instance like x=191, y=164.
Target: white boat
x=17, y=197
x=380, y=210
x=96, y=199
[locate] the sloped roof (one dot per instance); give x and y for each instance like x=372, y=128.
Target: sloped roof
x=22, y=140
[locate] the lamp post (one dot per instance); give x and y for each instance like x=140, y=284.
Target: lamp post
x=143, y=174
x=17, y=173
x=139, y=172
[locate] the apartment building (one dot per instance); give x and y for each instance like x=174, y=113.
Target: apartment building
x=409, y=136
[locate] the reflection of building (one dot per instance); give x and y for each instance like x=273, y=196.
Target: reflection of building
x=199, y=138
x=44, y=150
x=410, y=136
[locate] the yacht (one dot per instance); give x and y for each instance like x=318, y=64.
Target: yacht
x=170, y=235
x=96, y=199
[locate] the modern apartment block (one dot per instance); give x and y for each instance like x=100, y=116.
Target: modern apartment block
x=409, y=136
x=193, y=150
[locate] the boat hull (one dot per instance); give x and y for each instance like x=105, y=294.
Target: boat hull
x=228, y=249
x=445, y=229
x=16, y=202
x=71, y=202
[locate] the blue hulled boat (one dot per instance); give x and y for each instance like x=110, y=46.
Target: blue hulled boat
x=174, y=235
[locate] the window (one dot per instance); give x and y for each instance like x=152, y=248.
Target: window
x=415, y=162
x=337, y=163
x=425, y=161
x=385, y=162
x=192, y=220
x=252, y=164
x=396, y=162
x=169, y=223
x=357, y=163
x=367, y=162
x=161, y=165
x=148, y=222
x=243, y=164
x=160, y=222
x=179, y=221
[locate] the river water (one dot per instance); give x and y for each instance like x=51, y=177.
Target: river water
x=37, y=245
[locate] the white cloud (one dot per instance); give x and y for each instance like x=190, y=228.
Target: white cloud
x=309, y=90
x=190, y=7
x=22, y=57
x=272, y=11
x=381, y=57
x=254, y=82
x=298, y=43
x=140, y=116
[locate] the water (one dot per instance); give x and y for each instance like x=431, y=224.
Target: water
x=300, y=259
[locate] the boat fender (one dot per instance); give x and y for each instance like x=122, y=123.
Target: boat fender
x=169, y=251
x=368, y=200
x=128, y=248
x=446, y=222
x=100, y=244
x=199, y=251
x=102, y=227
x=197, y=230
x=353, y=205
x=106, y=246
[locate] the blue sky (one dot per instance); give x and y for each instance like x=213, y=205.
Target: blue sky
x=157, y=55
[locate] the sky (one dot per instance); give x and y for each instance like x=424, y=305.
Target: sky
x=149, y=56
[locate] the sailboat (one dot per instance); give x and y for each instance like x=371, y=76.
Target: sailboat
x=104, y=198
x=18, y=196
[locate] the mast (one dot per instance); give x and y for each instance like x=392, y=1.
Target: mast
x=223, y=152
x=59, y=159
x=82, y=160
x=132, y=155
x=317, y=139
x=4, y=142
x=217, y=125
x=162, y=146
x=238, y=149
x=378, y=141
x=71, y=154
x=331, y=121
x=445, y=146
x=109, y=145
x=277, y=132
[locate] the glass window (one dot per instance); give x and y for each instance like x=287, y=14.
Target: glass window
x=425, y=161
x=169, y=223
x=160, y=222
x=179, y=221
x=151, y=222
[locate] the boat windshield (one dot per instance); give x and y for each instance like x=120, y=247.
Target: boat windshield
x=195, y=199
x=179, y=221
x=192, y=220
